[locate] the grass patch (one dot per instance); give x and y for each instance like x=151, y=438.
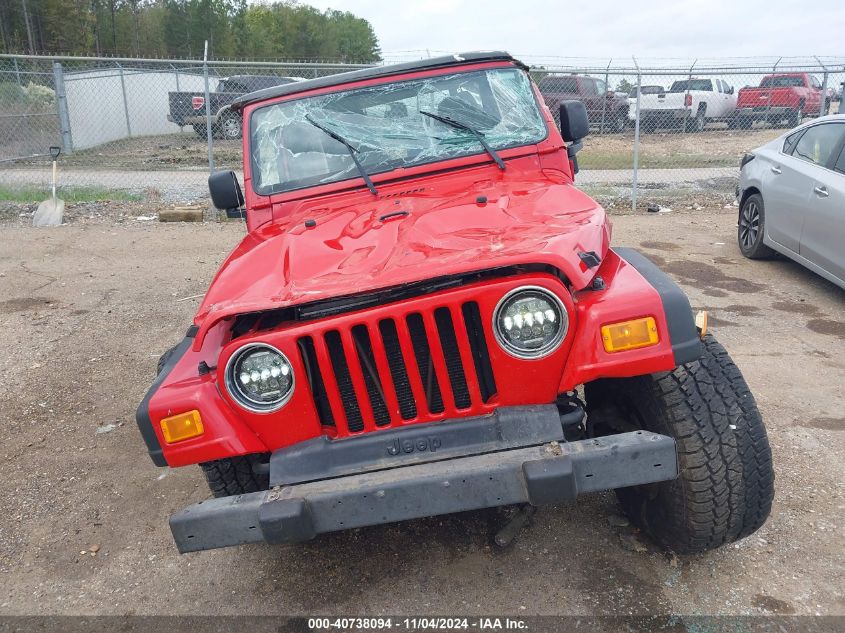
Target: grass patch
x=68, y=194
x=606, y=160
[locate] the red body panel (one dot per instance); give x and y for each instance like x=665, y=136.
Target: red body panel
x=786, y=97
x=462, y=215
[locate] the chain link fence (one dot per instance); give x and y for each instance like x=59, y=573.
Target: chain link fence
x=664, y=132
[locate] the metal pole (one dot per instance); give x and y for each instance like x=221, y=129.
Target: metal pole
x=176, y=71
x=125, y=102
x=822, y=108
x=207, y=109
x=685, y=122
x=636, y=139
x=604, y=96
x=17, y=72
x=769, y=97
x=61, y=106
x=208, y=117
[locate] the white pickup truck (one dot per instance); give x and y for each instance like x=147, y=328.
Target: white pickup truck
x=690, y=103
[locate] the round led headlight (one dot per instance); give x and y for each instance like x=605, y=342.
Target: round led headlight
x=259, y=377
x=530, y=322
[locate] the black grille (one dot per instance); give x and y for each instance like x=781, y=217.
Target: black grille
x=452, y=355
x=365, y=349
x=398, y=371
x=344, y=381
x=480, y=355
x=315, y=381
x=425, y=364
x=368, y=365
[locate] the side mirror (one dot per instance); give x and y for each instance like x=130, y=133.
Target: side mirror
x=574, y=125
x=226, y=193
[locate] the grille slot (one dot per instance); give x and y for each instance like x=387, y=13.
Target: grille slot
x=354, y=371
x=452, y=356
x=315, y=380
x=398, y=370
x=425, y=363
x=375, y=391
x=480, y=353
x=344, y=381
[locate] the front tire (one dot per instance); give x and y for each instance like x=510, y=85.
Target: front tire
x=752, y=227
x=726, y=483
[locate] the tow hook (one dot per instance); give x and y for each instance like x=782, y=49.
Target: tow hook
x=521, y=519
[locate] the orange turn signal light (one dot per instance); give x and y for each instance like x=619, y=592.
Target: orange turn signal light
x=180, y=427
x=618, y=337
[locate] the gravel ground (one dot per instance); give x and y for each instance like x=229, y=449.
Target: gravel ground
x=85, y=310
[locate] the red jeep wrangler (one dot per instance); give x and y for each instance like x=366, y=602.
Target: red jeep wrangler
x=426, y=317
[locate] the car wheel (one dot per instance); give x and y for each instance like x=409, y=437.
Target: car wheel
x=751, y=227
x=797, y=116
x=620, y=121
x=725, y=484
x=231, y=126
x=697, y=124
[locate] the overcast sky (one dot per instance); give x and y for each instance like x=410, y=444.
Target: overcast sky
x=676, y=28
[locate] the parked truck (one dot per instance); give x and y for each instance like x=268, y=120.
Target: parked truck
x=780, y=99
x=188, y=108
x=605, y=109
x=689, y=104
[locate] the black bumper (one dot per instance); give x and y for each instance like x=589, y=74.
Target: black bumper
x=553, y=472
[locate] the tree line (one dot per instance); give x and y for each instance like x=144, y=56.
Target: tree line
x=178, y=28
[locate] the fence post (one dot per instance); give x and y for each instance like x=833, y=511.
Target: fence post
x=176, y=71
x=769, y=98
x=636, y=139
x=207, y=110
x=604, y=96
x=685, y=121
x=823, y=100
x=125, y=103
x=17, y=71
x=62, y=109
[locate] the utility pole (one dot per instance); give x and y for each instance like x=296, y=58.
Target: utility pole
x=28, y=28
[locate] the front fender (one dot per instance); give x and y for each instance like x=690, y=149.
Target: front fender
x=634, y=287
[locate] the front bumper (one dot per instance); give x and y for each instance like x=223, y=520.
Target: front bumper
x=553, y=472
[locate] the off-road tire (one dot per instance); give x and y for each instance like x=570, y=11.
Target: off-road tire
x=232, y=475
x=751, y=227
x=235, y=475
x=726, y=484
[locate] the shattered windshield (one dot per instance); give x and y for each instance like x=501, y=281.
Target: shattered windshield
x=295, y=143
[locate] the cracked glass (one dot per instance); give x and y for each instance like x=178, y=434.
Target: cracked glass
x=388, y=128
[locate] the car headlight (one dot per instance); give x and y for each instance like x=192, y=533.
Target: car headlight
x=259, y=377
x=530, y=322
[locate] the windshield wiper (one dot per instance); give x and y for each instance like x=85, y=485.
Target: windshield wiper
x=352, y=151
x=476, y=133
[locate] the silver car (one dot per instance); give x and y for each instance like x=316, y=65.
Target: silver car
x=792, y=198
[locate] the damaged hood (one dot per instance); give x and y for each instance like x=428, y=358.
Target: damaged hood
x=416, y=235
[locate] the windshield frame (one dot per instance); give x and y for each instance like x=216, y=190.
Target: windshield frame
x=355, y=181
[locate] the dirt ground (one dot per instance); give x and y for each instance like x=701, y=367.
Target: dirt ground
x=86, y=308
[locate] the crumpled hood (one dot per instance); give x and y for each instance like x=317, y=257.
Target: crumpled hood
x=438, y=233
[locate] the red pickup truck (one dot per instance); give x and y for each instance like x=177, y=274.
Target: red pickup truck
x=784, y=97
